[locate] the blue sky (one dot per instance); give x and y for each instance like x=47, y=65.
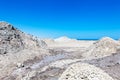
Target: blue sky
x=84, y=19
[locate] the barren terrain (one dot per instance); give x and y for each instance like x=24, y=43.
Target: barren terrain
x=25, y=57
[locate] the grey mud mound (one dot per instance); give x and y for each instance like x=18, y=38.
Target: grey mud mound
x=14, y=40
x=83, y=71
x=16, y=48
x=10, y=38
x=103, y=47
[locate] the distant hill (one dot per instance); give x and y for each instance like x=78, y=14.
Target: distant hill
x=64, y=39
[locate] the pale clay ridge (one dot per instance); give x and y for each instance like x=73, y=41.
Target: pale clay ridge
x=64, y=39
x=103, y=47
x=67, y=42
x=83, y=71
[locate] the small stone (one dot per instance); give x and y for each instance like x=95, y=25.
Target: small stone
x=20, y=65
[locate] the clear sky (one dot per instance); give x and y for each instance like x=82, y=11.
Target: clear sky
x=73, y=18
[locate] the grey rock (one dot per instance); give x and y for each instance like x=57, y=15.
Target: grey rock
x=10, y=38
x=14, y=40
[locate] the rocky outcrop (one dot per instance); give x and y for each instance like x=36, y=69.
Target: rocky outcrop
x=16, y=47
x=103, y=47
x=14, y=40
x=83, y=71
x=10, y=38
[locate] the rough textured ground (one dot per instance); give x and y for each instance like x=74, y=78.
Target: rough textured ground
x=17, y=47
x=25, y=57
x=83, y=71
x=103, y=47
